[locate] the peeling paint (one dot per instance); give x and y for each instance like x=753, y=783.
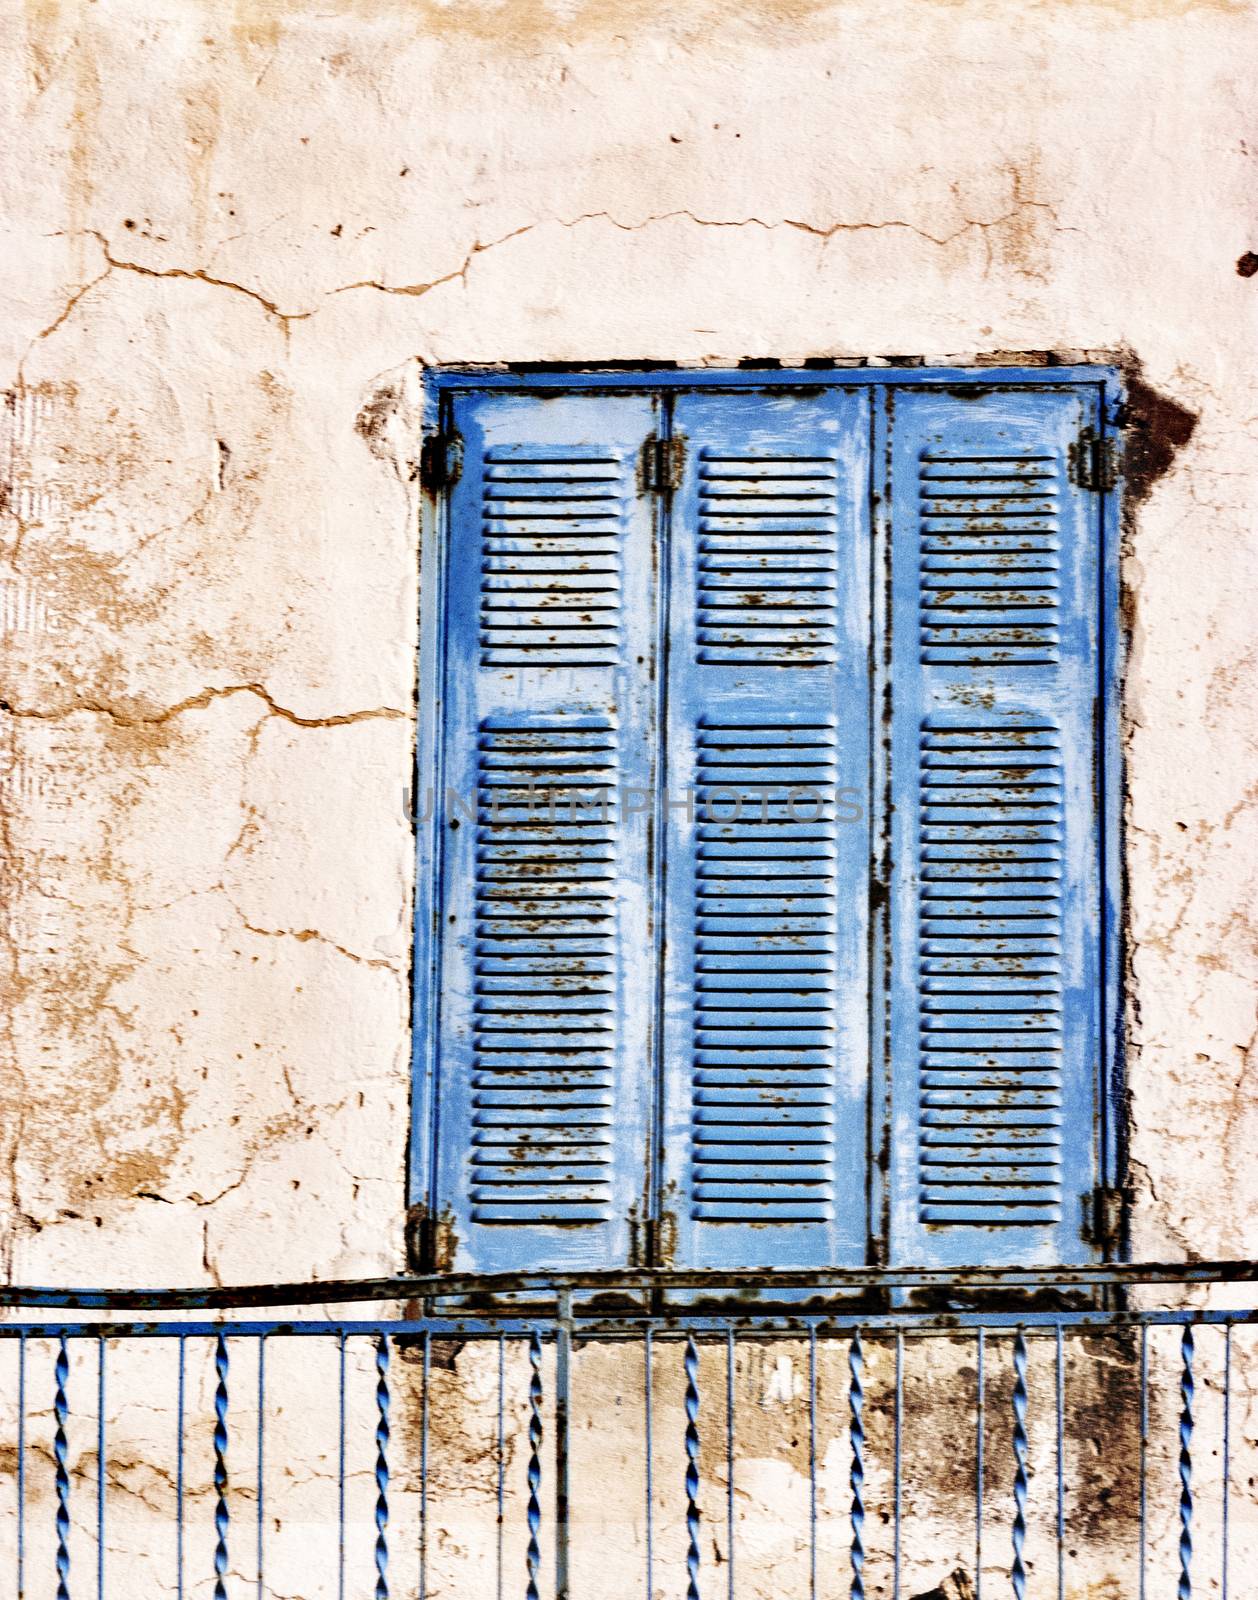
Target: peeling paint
x=239, y=232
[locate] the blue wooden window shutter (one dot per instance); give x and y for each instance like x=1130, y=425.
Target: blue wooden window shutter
x=681, y=736
x=545, y=979
x=766, y=990
x=995, y=905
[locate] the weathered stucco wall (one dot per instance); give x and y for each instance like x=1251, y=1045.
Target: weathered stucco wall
x=234, y=232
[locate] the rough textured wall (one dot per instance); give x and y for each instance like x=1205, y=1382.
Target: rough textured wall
x=235, y=231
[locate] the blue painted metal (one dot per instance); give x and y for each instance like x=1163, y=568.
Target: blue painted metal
x=500, y=1463
x=1227, y=1457
x=836, y=1321
x=533, y=1555
x=260, y=1492
x=562, y=1339
x=897, y=1469
x=996, y=967
x=691, y=1362
x=980, y=1452
x=382, y=1467
x=101, y=1468
x=812, y=1464
x=1060, y=1463
x=648, y=1345
x=1002, y=596
x=1144, y=1460
x=1018, y=1570
x=21, y=1465
x=61, y=1409
x=180, y=1405
x=426, y=1382
x=1187, y=1391
x=906, y=1333
x=730, y=1447
x=856, y=1427
x=221, y=1514
x=828, y=1286
x=340, y=1466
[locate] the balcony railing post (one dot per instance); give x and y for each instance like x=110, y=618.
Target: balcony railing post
x=1187, y=1392
x=61, y=1410
x=691, y=1362
x=382, y=1467
x=563, y=1385
x=856, y=1429
x=1227, y=1453
x=221, y=1514
x=1018, y=1569
x=533, y=1554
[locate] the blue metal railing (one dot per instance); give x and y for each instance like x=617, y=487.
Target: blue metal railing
x=986, y=1360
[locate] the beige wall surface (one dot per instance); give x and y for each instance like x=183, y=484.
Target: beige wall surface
x=234, y=234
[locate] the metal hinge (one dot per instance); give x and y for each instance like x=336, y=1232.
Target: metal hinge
x=1104, y=1210
x=660, y=464
x=430, y=1241
x=1094, y=461
x=440, y=461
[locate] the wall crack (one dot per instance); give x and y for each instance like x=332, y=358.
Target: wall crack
x=198, y=702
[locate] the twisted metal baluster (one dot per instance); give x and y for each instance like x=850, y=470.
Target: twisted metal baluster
x=382, y=1467
x=61, y=1410
x=221, y=1517
x=692, y=1469
x=856, y=1406
x=533, y=1555
x=1018, y=1571
x=1187, y=1390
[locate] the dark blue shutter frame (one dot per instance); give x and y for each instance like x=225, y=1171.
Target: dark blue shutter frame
x=996, y=909
x=766, y=972
x=542, y=1070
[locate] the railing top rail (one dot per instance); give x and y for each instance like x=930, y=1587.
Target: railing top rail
x=837, y=1281
x=747, y=1326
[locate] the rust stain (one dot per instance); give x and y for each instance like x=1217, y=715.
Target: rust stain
x=1155, y=429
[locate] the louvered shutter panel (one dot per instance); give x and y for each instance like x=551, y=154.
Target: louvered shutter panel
x=542, y=1066
x=996, y=906
x=765, y=992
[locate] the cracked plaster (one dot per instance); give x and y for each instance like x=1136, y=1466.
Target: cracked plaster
x=235, y=234
x=232, y=235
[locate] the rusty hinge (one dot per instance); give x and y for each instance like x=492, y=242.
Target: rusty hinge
x=1094, y=461
x=430, y=1240
x=440, y=461
x=660, y=464
x=1104, y=1209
